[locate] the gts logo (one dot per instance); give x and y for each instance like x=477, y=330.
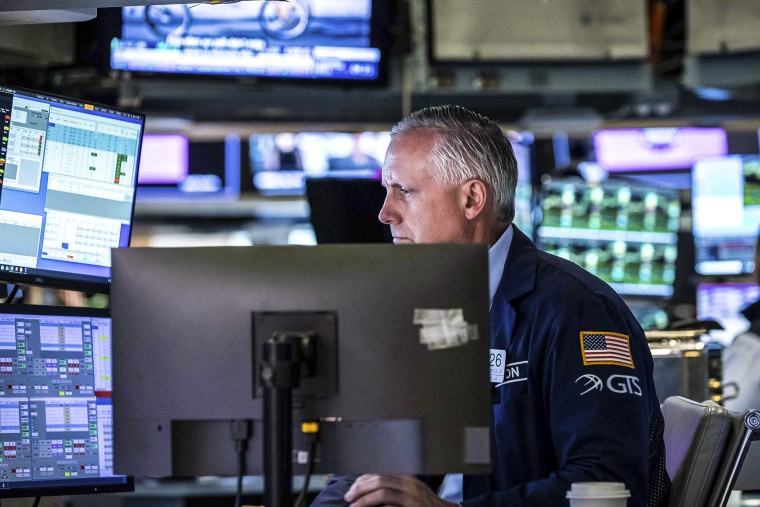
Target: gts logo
x=622, y=384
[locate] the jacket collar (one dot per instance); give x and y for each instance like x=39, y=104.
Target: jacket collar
x=519, y=276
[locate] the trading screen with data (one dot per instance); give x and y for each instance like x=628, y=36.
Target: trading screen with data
x=55, y=399
x=624, y=233
x=68, y=171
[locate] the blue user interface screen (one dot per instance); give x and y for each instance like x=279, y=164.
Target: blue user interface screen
x=55, y=399
x=68, y=172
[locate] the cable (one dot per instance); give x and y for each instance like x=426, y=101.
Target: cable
x=311, y=430
x=36, y=501
x=240, y=432
x=241, y=473
x=12, y=294
x=307, y=477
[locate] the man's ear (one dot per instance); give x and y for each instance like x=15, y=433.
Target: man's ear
x=475, y=196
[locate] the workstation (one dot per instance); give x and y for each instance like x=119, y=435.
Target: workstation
x=204, y=307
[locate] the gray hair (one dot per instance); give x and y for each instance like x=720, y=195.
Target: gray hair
x=469, y=146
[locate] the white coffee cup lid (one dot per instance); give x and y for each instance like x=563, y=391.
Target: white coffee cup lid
x=598, y=490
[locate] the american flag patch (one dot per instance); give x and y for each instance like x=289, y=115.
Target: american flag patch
x=606, y=348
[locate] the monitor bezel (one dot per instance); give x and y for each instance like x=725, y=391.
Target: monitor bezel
x=78, y=486
x=63, y=279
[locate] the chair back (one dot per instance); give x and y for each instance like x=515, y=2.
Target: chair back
x=696, y=435
x=745, y=429
x=705, y=446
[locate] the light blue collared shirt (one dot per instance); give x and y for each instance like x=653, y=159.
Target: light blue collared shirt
x=451, y=489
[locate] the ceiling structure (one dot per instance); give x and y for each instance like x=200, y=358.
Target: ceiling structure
x=669, y=84
x=31, y=5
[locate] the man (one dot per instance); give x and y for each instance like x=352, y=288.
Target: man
x=741, y=356
x=583, y=406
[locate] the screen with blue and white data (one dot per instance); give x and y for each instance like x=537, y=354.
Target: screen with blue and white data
x=68, y=172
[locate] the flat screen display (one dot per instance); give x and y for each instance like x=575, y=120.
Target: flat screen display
x=723, y=303
x=55, y=402
x=726, y=213
x=623, y=233
x=172, y=167
x=297, y=39
x=187, y=364
x=281, y=162
x=163, y=159
x=653, y=149
x=345, y=210
x=68, y=171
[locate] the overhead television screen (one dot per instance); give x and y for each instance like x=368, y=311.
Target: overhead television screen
x=301, y=39
x=624, y=233
x=68, y=171
x=55, y=402
x=726, y=213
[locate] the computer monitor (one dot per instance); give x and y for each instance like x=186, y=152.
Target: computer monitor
x=68, y=171
x=345, y=210
x=175, y=168
x=723, y=303
x=402, y=381
x=726, y=213
x=55, y=408
x=623, y=233
x=281, y=162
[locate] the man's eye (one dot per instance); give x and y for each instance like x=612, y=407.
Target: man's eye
x=404, y=190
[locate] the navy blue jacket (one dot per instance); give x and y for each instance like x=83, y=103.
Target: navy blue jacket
x=575, y=400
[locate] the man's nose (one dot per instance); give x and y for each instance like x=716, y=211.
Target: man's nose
x=386, y=214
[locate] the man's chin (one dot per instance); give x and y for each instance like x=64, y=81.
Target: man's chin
x=402, y=241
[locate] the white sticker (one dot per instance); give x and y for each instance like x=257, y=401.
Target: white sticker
x=443, y=329
x=498, y=359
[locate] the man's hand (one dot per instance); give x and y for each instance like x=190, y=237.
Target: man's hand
x=400, y=490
